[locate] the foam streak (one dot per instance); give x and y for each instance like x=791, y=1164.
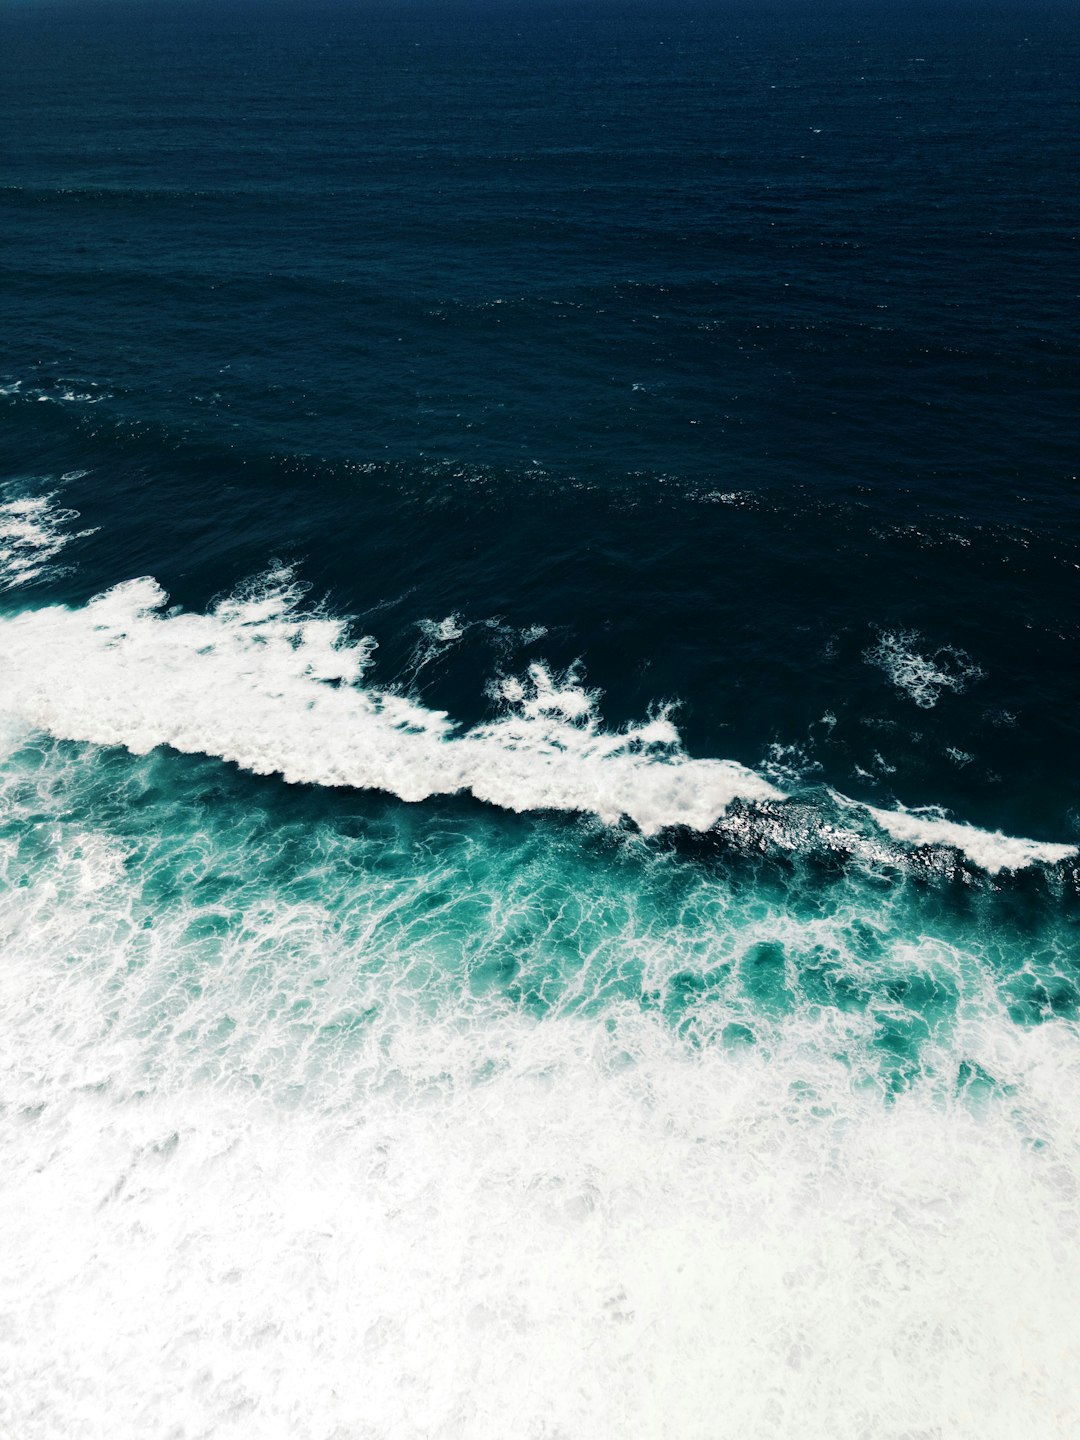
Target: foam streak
x=258, y=682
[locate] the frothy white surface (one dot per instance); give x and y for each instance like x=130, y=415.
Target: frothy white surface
x=922, y=677
x=33, y=531
x=261, y=683
x=269, y=1170
x=989, y=849
x=614, y=1236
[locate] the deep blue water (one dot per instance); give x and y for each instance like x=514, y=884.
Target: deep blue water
x=720, y=363
x=717, y=341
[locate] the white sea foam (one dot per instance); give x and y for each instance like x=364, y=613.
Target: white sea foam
x=259, y=682
x=274, y=688
x=989, y=849
x=225, y=1212
x=679, y=1247
x=33, y=531
x=54, y=393
x=922, y=677
x=442, y=632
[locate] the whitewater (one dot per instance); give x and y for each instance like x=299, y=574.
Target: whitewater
x=423, y=1120
x=276, y=687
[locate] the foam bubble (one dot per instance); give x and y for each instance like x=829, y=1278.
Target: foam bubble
x=33, y=531
x=922, y=677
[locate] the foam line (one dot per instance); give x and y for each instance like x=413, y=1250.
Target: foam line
x=258, y=682
x=989, y=849
x=33, y=531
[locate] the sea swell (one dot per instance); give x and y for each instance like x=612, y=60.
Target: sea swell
x=277, y=688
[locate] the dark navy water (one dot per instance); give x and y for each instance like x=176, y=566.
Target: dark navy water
x=683, y=397
x=715, y=340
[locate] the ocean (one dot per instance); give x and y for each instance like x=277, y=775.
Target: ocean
x=539, y=817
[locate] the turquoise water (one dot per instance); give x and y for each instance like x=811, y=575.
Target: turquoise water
x=244, y=923
x=319, y=1107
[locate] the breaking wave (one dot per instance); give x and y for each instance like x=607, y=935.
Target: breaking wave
x=277, y=689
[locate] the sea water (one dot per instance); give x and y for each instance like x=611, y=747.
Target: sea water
x=538, y=810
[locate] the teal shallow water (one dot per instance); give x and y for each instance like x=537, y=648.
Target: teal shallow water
x=438, y=1108
x=236, y=910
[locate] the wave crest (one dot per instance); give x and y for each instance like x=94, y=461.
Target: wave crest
x=277, y=688
x=258, y=681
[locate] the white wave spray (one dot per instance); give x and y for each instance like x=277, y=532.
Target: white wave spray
x=276, y=689
x=259, y=682
x=268, y=1171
